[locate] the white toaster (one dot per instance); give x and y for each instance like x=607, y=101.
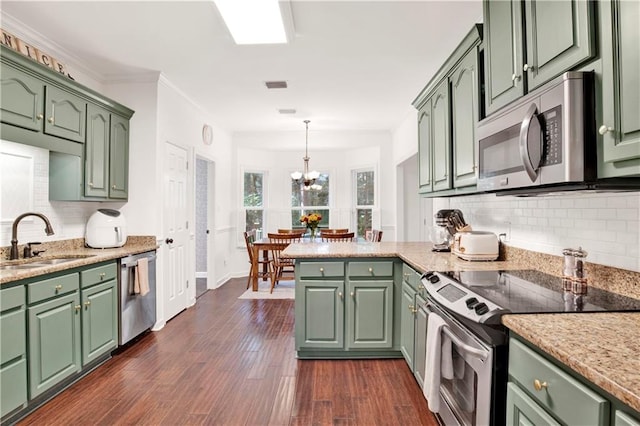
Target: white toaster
x=475, y=245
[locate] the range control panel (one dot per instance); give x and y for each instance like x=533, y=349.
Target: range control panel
x=459, y=299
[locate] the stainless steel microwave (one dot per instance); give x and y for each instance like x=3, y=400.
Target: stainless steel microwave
x=546, y=138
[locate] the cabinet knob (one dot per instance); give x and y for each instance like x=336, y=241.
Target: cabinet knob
x=516, y=77
x=58, y=287
x=603, y=130
x=406, y=275
x=353, y=294
x=50, y=120
x=77, y=308
x=420, y=287
x=90, y=184
x=102, y=275
x=322, y=270
x=528, y=67
x=113, y=186
x=412, y=309
x=371, y=270
x=340, y=294
x=538, y=385
x=87, y=303
x=39, y=117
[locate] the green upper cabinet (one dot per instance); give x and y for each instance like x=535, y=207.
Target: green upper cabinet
x=503, y=52
x=66, y=114
x=620, y=125
x=527, y=47
x=448, y=111
x=96, y=159
x=21, y=99
x=464, y=116
x=559, y=35
x=441, y=141
x=424, y=146
x=106, y=154
x=119, y=157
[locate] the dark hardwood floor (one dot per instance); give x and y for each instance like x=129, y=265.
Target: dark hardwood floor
x=232, y=362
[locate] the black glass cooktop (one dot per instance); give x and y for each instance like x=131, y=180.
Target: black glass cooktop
x=531, y=291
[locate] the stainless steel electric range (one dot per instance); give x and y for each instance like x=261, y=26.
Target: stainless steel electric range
x=465, y=309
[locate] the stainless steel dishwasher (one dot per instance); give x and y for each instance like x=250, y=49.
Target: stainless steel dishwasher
x=136, y=313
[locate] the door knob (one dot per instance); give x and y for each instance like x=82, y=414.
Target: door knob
x=169, y=241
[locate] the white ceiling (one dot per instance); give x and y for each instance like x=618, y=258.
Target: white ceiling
x=350, y=65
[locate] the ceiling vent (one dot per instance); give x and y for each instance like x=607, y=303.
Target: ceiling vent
x=276, y=84
x=287, y=111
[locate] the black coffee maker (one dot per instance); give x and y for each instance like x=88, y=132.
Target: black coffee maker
x=449, y=222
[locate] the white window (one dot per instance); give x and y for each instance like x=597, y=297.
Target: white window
x=253, y=201
x=364, y=200
x=305, y=200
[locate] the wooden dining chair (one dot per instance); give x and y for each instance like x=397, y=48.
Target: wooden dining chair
x=334, y=231
x=282, y=266
x=329, y=237
x=299, y=232
x=265, y=265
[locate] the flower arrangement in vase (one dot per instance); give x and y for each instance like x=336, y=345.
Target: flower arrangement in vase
x=311, y=221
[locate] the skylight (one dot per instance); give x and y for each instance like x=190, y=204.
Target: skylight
x=253, y=21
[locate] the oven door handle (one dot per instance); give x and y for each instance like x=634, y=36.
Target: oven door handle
x=481, y=354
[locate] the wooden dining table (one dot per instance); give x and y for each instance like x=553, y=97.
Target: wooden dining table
x=265, y=245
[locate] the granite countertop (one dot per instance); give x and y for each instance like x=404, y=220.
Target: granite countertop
x=75, y=250
x=602, y=347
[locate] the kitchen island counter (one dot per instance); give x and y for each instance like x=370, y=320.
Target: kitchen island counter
x=601, y=347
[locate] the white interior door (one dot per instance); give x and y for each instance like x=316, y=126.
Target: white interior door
x=176, y=229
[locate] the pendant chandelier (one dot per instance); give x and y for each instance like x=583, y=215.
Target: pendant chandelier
x=306, y=179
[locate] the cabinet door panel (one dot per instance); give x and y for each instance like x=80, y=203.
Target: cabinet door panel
x=441, y=145
x=119, y=158
x=424, y=147
x=523, y=411
x=503, y=55
x=21, y=99
x=407, y=325
x=320, y=304
x=54, y=342
x=66, y=115
x=370, y=314
x=620, y=88
x=420, y=342
x=99, y=321
x=559, y=37
x=464, y=107
x=13, y=386
x=96, y=178
x=13, y=337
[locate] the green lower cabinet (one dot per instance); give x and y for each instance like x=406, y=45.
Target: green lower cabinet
x=319, y=314
x=621, y=418
x=99, y=321
x=13, y=350
x=54, y=342
x=420, y=342
x=522, y=410
x=370, y=314
x=407, y=327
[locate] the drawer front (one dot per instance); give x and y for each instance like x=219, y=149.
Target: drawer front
x=321, y=269
x=98, y=275
x=43, y=290
x=13, y=326
x=560, y=393
x=370, y=269
x=13, y=386
x=623, y=419
x=410, y=276
x=11, y=298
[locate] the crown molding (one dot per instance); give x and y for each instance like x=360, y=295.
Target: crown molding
x=137, y=77
x=33, y=37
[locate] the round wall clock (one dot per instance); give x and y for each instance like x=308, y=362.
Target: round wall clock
x=207, y=134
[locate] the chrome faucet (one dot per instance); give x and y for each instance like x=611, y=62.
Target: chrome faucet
x=14, y=231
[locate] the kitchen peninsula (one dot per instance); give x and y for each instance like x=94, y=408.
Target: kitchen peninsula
x=349, y=298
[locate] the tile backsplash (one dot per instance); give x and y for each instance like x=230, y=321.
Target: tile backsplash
x=68, y=219
x=606, y=225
